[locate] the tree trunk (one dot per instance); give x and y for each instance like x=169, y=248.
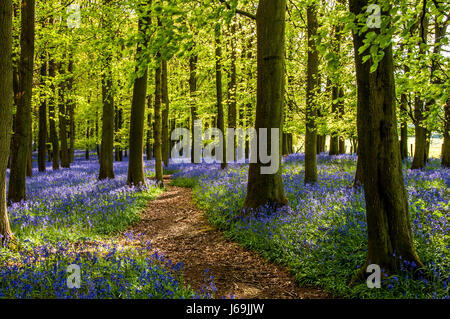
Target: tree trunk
x=6, y=109
x=268, y=189
x=52, y=116
x=232, y=110
x=404, y=127
x=388, y=221
x=22, y=134
x=136, y=174
x=107, y=144
x=150, y=129
x=193, y=94
x=65, y=159
x=420, y=154
x=219, y=96
x=165, y=147
x=42, y=141
x=71, y=111
x=311, y=91
x=157, y=132
x=446, y=145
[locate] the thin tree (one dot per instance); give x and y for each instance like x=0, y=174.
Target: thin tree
x=268, y=189
x=42, y=139
x=165, y=147
x=6, y=109
x=136, y=174
x=219, y=96
x=157, y=132
x=388, y=221
x=21, y=137
x=311, y=91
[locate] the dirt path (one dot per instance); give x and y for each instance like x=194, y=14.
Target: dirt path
x=177, y=228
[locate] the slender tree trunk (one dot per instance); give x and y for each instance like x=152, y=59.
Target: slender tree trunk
x=71, y=111
x=21, y=139
x=232, y=89
x=268, y=189
x=193, y=94
x=311, y=91
x=420, y=157
x=6, y=109
x=65, y=159
x=107, y=144
x=157, y=132
x=88, y=128
x=219, y=96
x=404, y=127
x=52, y=116
x=388, y=221
x=136, y=174
x=446, y=145
x=42, y=142
x=150, y=129
x=165, y=114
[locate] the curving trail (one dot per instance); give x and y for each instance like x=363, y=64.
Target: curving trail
x=179, y=230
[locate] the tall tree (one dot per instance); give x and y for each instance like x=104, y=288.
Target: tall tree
x=311, y=91
x=165, y=146
x=6, y=108
x=388, y=221
x=136, y=141
x=219, y=96
x=42, y=140
x=21, y=137
x=193, y=59
x=232, y=87
x=157, y=133
x=107, y=144
x=65, y=158
x=268, y=189
x=52, y=115
x=420, y=154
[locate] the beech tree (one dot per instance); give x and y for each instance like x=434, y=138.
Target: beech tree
x=6, y=108
x=21, y=140
x=388, y=221
x=268, y=189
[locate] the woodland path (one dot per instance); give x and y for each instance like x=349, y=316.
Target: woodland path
x=178, y=229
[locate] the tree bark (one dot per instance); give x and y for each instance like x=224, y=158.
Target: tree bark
x=165, y=147
x=388, y=221
x=193, y=94
x=446, y=145
x=311, y=91
x=420, y=154
x=107, y=144
x=42, y=140
x=65, y=159
x=150, y=129
x=6, y=109
x=52, y=116
x=268, y=189
x=232, y=89
x=22, y=133
x=157, y=132
x=219, y=95
x=136, y=174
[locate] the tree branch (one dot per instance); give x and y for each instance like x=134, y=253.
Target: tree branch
x=244, y=13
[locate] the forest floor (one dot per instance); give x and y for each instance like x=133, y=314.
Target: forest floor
x=179, y=230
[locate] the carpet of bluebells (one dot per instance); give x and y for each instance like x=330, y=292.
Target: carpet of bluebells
x=322, y=237
x=72, y=218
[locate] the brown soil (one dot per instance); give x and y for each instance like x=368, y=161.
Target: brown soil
x=179, y=230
